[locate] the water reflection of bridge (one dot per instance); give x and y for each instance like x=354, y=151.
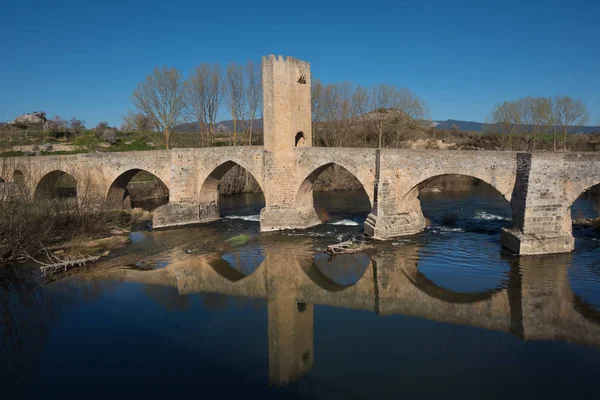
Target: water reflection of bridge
x=537, y=302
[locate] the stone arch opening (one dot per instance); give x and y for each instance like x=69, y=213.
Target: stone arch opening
x=335, y=274
x=299, y=140
x=137, y=188
x=456, y=202
x=335, y=194
x=231, y=191
x=56, y=185
x=2, y=180
x=18, y=177
x=584, y=213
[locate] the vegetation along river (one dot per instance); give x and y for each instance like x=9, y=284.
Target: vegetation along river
x=444, y=313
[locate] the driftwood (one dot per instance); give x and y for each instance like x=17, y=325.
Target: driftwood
x=56, y=263
x=347, y=247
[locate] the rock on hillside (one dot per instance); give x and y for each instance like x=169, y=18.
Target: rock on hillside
x=34, y=118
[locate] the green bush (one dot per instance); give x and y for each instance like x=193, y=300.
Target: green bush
x=86, y=141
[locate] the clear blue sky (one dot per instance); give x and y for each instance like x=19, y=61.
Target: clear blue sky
x=83, y=58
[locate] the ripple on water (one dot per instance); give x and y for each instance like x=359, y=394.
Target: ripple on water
x=466, y=262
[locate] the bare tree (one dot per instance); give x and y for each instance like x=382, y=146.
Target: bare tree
x=55, y=126
x=204, y=93
x=535, y=118
x=360, y=103
x=161, y=97
x=386, y=100
x=76, y=126
x=316, y=100
x=137, y=122
x=338, y=113
x=568, y=113
x=234, y=80
x=381, y=102
x=253, y=94
x=506, y=118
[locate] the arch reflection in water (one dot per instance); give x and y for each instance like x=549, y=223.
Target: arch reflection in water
x=240, y=262
x=336, y=273
x=538, y=303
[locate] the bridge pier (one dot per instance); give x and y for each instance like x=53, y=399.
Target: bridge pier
x=540, y=206
x=394, y=214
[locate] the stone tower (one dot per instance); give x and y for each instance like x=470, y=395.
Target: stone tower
x=287, y=128
x=286, y=99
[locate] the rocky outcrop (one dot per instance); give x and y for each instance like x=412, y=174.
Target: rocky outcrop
x=34, y=118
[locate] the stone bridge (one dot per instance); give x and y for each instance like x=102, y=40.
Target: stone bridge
x=540, y=187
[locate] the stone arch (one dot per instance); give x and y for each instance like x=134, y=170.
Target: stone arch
x=118, y=196
x=209, y=190
x=411, y=200
x=18, y=177
x=477, y=177
x=56, y=184
x=299, y=140
x=304, y=194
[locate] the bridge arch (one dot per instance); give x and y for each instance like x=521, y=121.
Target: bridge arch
x=305, y=193
x=476, y=201
x=210, y=188
x=56, y=184
x=119, y=194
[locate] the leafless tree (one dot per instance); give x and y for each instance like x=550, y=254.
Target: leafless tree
x=55, y=125
x=204, y=93
x=161, y=97
x=253, y=94
x=234, y=79
x=568, y=113
x=506, y=119
x=360, y=103
x=386, y=100
x=76, y=126
x=339, y=113
x=316, y=99
x=138, y=122
x=100, y=128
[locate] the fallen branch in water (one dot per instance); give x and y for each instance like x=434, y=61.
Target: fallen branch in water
x=347, y=247
x=56, y=263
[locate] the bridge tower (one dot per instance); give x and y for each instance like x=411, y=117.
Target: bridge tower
x=287, y=127
x=286, y=99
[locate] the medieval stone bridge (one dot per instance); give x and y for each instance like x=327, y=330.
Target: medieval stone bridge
x=540, y=187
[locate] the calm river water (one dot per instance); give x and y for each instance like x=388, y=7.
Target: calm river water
x=445, y=313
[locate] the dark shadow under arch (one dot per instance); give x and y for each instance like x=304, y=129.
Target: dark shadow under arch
x=152, y=193
x=18, y=177
x=299, y=140
x=55, y=185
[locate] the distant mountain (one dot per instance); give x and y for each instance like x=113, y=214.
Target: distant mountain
x=471, y=126
x=223, y=126
x=481, y=127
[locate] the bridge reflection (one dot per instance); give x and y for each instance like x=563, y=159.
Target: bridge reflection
x=536, y=303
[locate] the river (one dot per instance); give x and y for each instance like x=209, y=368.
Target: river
x=446, y=313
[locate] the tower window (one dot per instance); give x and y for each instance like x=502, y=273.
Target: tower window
x=299, y=138
x=302, y=80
